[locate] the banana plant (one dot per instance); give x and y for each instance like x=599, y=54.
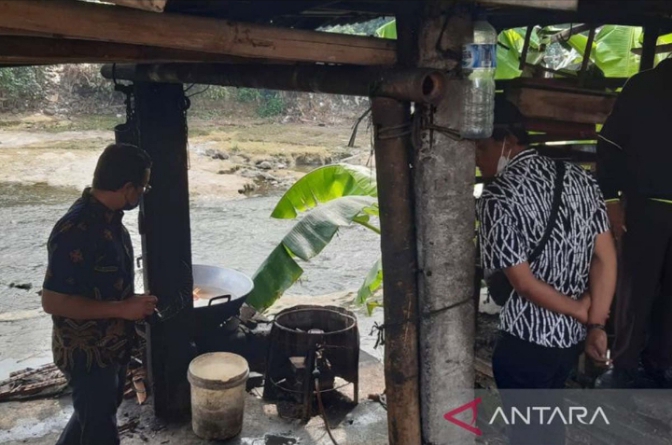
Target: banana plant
x=323, y=201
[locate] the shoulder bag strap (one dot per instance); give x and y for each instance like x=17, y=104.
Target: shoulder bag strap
x=555, y=209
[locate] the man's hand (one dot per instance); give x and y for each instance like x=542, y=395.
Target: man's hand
x=138, y=307
x=582, y=308
x=596, y=345
x=617, y=219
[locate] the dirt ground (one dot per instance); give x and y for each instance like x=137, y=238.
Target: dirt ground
x=225, y=159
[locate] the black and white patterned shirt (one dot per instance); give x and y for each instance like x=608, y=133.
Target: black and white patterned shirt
x=513, y=212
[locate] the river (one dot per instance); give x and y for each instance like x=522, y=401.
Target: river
x=233, y=233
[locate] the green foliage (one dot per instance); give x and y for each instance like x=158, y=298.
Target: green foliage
x=388, y=30
x=216, y=93
x=271, y=104
x=368, y=28
x=304, y=241
x=323, y=185
x=247, y=95
x=612, y=49
x=372, y=282
x=333, y=196
x=21, y=85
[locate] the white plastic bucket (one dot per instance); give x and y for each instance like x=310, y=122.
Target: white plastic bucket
x=218, y=394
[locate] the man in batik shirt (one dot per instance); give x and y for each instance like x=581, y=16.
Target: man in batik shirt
x=88, y=289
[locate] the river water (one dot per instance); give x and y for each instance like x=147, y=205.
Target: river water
x=238, y=234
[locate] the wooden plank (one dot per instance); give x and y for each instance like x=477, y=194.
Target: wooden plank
x=564, y=5
x=147, y=5
x=537, y=103
x=88, y=21
x=22, y=50
x=660, y=49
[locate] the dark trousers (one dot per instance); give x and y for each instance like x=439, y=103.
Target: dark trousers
x=520, y=367
x=643, y=318
x=96, y=395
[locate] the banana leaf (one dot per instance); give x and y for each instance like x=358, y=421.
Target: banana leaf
x=305, y=240
x=388, y=30
x=324, y=185
x=663, y=40
x=612, y=49
x=372, y=282
x=508, y=54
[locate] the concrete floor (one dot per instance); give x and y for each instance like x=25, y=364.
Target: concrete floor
x=39, y=422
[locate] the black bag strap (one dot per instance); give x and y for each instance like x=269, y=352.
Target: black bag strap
x=555, y=209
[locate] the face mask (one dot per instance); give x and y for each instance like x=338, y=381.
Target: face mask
x=503, y=160
x=128, y=206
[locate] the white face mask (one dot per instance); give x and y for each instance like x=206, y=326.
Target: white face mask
x=503, y=160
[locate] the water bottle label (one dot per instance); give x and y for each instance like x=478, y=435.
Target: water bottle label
x=479, y=56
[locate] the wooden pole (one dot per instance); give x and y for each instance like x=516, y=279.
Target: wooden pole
x=392, y=127
x=445, y=212
x=32, y=49
x=89, y=21
x=648, y=59
x=414, y=84
x=166, y=242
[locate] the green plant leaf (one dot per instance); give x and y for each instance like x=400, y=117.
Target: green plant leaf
x=612, y=49
x=508, y=54
x=388, y=30
x=323, y=185
x=276, y=274
x=663, y=40
x=372, y=282
x=305, y=240
x=371, y=306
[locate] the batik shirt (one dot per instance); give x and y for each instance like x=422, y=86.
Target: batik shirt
x=91, y=255
x=513, y=212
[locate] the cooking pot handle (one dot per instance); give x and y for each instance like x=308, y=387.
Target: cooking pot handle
x=221, y=297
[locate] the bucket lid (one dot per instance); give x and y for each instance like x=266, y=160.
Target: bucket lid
x=218, y=370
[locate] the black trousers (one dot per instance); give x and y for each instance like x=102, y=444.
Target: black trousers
x=643, y=318
x=520, y=367
x=96, y=396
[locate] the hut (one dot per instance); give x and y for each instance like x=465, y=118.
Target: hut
x=425, y=171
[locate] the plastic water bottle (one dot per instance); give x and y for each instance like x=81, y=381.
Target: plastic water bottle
x=479, y=62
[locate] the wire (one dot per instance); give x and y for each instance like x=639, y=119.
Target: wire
x=321, y=406
x=199, y=92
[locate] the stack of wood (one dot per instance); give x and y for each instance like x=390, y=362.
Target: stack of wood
x=135, y=385
x=29, y=383
x=49, y=381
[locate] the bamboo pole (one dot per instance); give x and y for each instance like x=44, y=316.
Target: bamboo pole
x=391, y=120
x=411, y=84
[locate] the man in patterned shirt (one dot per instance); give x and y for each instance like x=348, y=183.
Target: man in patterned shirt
x=88, y=289
x=571, y=283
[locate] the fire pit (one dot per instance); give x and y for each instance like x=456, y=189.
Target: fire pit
x=310, y=347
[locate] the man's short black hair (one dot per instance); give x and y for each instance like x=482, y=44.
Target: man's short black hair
x=509, y=120
x=120, y=164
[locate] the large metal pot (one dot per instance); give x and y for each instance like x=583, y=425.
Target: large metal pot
x=223, y=292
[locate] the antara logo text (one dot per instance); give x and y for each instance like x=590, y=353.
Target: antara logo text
x=533, y=415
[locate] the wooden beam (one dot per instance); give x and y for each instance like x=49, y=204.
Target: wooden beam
x=88, y=21
x=411, y=84
x=536, y=103
x=565, y=5
x=660, y=49
x=648, y=59
x=147, y=5
x=36, y=50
